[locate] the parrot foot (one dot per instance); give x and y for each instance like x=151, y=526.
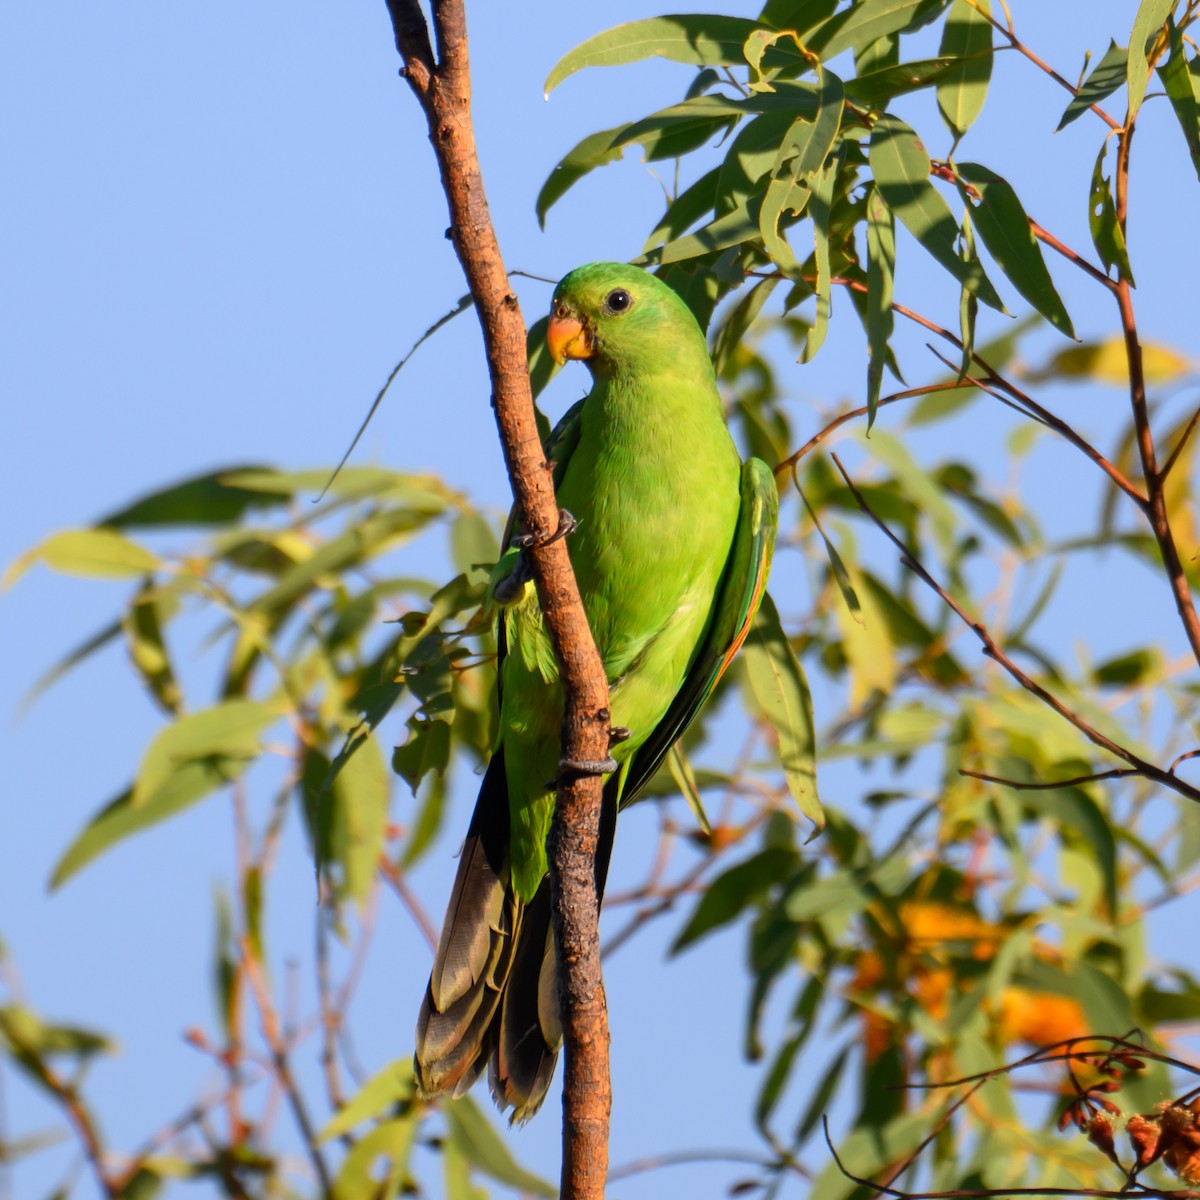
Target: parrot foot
x=511, y=586
x=618, y=734
x=566, y=526
x=571, y=768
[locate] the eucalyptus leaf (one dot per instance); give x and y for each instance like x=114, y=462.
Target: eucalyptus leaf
x=781, y=697
x=901, y=167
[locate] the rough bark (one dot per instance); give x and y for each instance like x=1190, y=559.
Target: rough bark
x=442, y=86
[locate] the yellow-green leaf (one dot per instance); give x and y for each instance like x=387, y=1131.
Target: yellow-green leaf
x=966, y=35
x=699, y=39
x=99, y=553
x=781, y=697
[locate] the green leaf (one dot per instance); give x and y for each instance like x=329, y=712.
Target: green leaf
x=1106, y=77
x=821, y=1096
x=1177, y=79
x=1102, y=219
x=780, y=1071
x=97, y=553
x=1147, y=25
x=596, y=150
x=209, y=499
x=1004, y=226
x=782, y=699
x=393, y=1141
x=700, y=39
x=121, y=817
x=820, y=207
x=686, y=209
x=542, y=368
x=1078, y=815
x=810, y=138
x=69, y=661
x=479, y=1142
x=361, y=794
x=836, y=565
x=881, y=266
x=142, y=623
x=868, y=21
x=668, y=133
x=732, y=229
x=1104, y=1000
x=901, y=168
x=473, y=541
x=966, y=35
x=875, y=89
x=917, y=485
x=685, y=780
x=27, y=1036
x=782, y=196
x=378, y=532
x=427, y=749
x=226, y=732
x=456, y=1174
x=733, y=891
x=389, y=1087
x=736, y=325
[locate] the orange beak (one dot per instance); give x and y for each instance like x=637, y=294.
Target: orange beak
x=567, y=338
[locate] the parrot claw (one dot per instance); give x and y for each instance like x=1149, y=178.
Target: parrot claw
x=570, y=768
x=618, y=734
x=566, y=526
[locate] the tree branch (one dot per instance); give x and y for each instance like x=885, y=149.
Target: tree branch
x=1147, y=769
x=1156, y=506
x=443, y=90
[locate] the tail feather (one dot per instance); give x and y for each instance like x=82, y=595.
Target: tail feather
x=477, y=912
x=530, y=1032
x=493, y=991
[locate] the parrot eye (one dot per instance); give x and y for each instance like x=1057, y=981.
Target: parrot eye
x=617, y=301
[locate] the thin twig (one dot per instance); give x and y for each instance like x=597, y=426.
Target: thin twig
x=1044, y=235
x=1179, y=447
x=952, y=385
x=999, y=381
x=680, y=1158
x=408, y=898
x=993, y=651
x=283, y=1071
x=1025, y=785
x=1156, y=507
x=1041, y=64
x=72, y=1104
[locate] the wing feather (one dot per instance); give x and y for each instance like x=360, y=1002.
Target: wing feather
x=738, y=597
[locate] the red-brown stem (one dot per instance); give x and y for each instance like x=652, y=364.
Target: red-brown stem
x=817, y=438
x=1044, y=235
x=73, y=1106
x=1156, y=506
x=1040, y=63
x=999, y=382
x=443, y=89
x=282, y=1067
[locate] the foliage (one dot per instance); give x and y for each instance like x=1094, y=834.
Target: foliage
x=997, y=831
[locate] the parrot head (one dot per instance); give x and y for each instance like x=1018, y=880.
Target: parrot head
x=621, y=318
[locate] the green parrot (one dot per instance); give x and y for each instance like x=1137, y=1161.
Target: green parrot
x=671, y=537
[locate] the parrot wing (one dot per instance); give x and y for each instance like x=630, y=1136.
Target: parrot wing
x=738, y=597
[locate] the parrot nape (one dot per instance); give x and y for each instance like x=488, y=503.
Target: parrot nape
x=671, y=543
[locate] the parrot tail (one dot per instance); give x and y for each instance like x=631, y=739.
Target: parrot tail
x=493, y=991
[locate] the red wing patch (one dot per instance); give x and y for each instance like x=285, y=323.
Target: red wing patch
x=760, y=583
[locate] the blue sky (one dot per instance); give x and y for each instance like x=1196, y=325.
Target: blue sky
x=222, y=227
